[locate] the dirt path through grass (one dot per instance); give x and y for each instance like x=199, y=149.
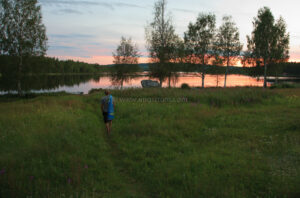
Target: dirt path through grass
x=135, y=188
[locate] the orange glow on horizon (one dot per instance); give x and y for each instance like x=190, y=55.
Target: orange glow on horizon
x=101, y=60
x=294, y=60
x=295, y=56
x=107, y=60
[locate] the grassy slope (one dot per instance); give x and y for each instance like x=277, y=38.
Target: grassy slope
x=221, y=143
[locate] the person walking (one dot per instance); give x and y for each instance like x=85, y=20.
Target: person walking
x=107, y=107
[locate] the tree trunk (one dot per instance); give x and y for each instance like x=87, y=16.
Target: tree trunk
x=203, y=77
x=265, y=74
x=169, y=81
x=160, y=82
x=20, y=76
x=203, y=72
x=226, y=72
x=225, y=76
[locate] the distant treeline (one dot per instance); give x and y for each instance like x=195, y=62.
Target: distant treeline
x=280, y=69
x=47, y=65
x=292, y=69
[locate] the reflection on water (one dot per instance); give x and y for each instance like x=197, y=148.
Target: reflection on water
x=84, y=83
x=191, y=79
x=44, y=83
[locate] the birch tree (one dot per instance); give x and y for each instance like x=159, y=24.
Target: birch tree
x=161, y=41
x=269, y=41
x=199, y=40
x=22, y=31
x=227, y=46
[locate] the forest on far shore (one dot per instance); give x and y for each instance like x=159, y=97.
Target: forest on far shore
x=48, y=65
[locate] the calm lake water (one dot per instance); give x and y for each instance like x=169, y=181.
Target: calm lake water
x=84, y=83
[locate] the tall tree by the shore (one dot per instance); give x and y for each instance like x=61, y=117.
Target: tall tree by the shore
x=269, y=41
x=199, y=40
x=161, y=41
x=22, y=31
x=126, y=62
x=126, y=53
x=228, y=46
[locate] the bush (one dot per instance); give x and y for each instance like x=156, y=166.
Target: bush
x=95, y=90
x=185, y=86
x=283, y=85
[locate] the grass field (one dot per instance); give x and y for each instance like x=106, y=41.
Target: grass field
x=236, y=142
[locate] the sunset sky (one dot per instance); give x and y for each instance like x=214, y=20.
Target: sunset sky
x=90, y=30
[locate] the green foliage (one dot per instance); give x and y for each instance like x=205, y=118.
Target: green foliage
x=276, y=69
x=283, y=85
x=47, y=65
x=227, y=46
x=22, y=30
x=199, y=40
x=167, y=70
x=180, y=54
x=126, y=62
x=185, y=86
x=162, y=42
x=263, y=34
x=291, y=69
x=121, y=73
x=269, y=41
x=126, y=53
x=160, y=34
x=199, y=37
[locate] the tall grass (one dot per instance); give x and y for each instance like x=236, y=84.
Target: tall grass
x=217, y=97
x=216, y=143
x=54, y=146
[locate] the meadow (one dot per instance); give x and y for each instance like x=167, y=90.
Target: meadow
x=234, y=142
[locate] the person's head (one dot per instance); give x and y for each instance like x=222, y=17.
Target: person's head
x=106, y=92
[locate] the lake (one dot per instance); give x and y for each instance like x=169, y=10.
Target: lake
x=84, y=83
